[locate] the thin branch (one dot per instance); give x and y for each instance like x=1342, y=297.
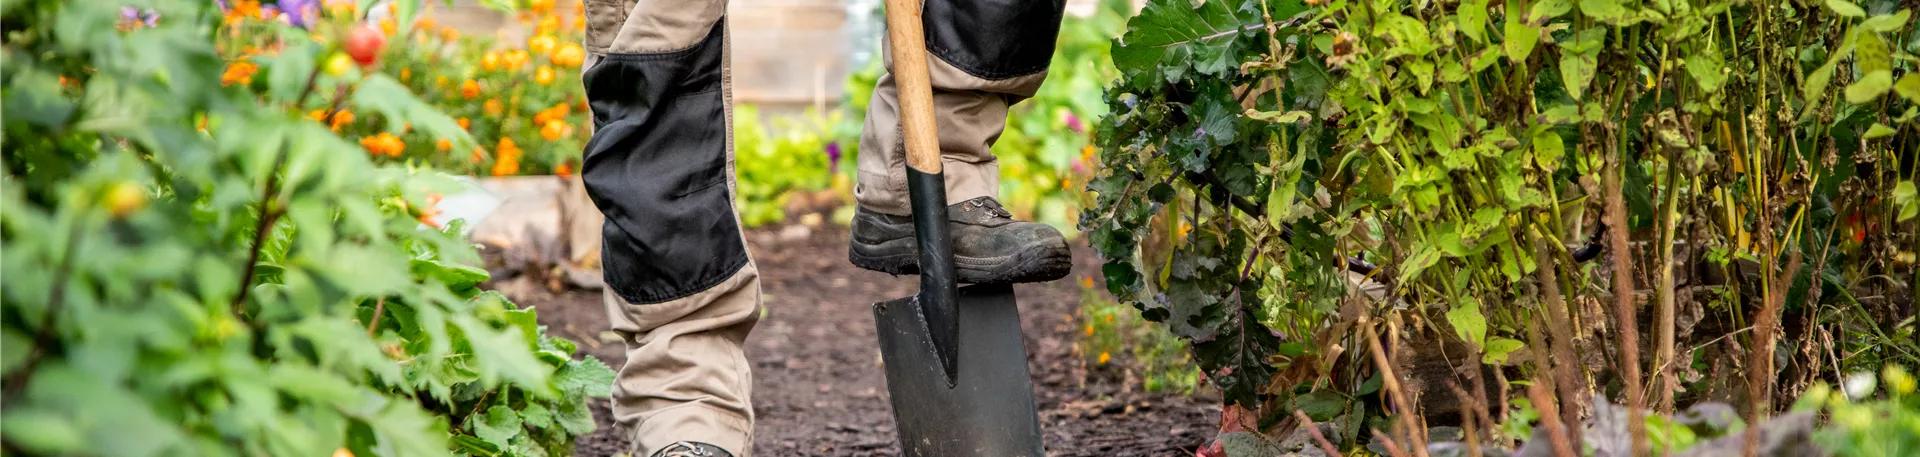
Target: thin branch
x=1314, y=429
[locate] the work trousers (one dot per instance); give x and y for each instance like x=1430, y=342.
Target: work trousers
x=682, y=291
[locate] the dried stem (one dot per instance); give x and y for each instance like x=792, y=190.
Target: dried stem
x=1549, y=412
x=1568, y=381
x=1468, y=420
x=1628, y=324
x=1405, y=410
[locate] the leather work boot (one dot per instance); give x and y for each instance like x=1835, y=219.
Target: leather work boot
x=691, y=449
x=989, y=246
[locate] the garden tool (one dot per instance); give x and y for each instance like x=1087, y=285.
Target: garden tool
x=955, y=360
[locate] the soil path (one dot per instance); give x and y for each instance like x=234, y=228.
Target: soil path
x=818, y=386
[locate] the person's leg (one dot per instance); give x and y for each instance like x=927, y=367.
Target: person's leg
x=681, y=290
x=986, y=55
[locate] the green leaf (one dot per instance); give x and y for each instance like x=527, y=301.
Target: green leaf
x=1473, y=19
x=1845, y=8
x=1171, y=39
x=1548, y=9
x=14, y=348
x=1579, y=58
x=1878, y=130
x=1290, y=117
x=1608, y=11
x=588, y=375
x=1498, y=349
x=1904, y=196
x=1871, y=53
x=1887, y=23
x=537, y=415
x=1909, y=87
x=1468, y=323
x=1320, y=405
x=574, y=417
x=1520, y=37
x=41, y=431
x=1548, y=148
x=1706, y=67
x=1870, y=87
x=498, y=426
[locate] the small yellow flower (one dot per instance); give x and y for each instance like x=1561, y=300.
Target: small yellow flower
x=448, y=34
x=548, y=24
x=542, y=45
x=544, y=75
x=469, y=89
x=1105, y=357
x=405, y=74
x=490, y=61
x=493, y=107
x=388, y=27
x=1089, y=329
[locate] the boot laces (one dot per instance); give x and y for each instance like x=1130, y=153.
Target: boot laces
x=990, y=206
x=684, y=449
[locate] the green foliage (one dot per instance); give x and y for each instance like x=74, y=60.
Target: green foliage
x=795, y=155
x=197, y=268
x=1866, y=424
x=1113, y=334
x=1255, y=146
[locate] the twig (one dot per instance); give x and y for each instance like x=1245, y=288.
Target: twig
x=1314, y=429
x=16, y=381
x=1567, y=380
x=1468, y=422
x=1393, y=449
x=1549, y=418
x=1616, y=213
x=379, y=307
x=1392, y=383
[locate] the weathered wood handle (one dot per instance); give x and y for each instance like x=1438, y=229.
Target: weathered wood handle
x=909, y=49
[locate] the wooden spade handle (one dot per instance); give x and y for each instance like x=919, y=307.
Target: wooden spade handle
x=908, y=44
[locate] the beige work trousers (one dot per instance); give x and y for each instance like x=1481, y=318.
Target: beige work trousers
x=686, y=377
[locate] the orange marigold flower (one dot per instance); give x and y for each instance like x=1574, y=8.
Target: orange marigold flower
x=569, y=55
x=1086, y=281
x=425, y=23
x=542, y=45
x=443, y=145
x=493, y=107
x=479, y=154
x=405, y=74
x=543, y=75
x=515, y=59
x=340, y=119
x=239, y=72
x=507, y=147
x=548, y=24
x=440, y=81
x=1105, y=357
x=1089, y=330
x=507, y=165
x=1066, y=183
x=449, y=34
x=490, y=61
x=464, y=123
x=541, y=7
x=553, y=130
x=564, y=169
x=388, y=27
x=469, y=89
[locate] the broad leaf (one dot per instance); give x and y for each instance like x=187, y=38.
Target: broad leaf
x=1520, y=37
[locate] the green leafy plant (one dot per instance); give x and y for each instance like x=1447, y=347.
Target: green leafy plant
x=1258, y=150
x=197, y=268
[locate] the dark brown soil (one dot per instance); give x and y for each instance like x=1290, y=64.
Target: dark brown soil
x=818, y=386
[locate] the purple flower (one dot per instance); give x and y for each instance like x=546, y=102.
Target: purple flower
x=300, y=13
x=833, y=154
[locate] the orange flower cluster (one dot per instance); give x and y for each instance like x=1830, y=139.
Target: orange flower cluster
x=508, y=162
x=469, y=89
x=544, y=75
x=558, y=111
x=569, y=55
x=339, y=119
x=554, y=130
x=383, y=144
x=240, y=72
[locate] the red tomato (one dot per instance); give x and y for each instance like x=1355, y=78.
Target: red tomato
x=364, y=43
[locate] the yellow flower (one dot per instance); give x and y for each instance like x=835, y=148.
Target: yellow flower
x=553, y=130
x=541, y=7
x=542, y=45
x=493, y=107
x=515, y=59
x=1086, y=154
x=1089, y=329
x=440, y=81
x=387, y=26
x=239, y=72
x=569, y=55
x=405, y=74
x=449, y=34
x=425, y=23
x=548, y=24
x=470, y=89
x=1066, y=183
x=341, y=118
x=342, y=452
x=490, y=61
x=1105, y=357
x=508, y=161
x=544, y=75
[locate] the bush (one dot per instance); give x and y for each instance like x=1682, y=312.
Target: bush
x=196, y=267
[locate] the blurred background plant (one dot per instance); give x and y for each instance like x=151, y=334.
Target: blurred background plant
x=198, y=266
x=1115, y=342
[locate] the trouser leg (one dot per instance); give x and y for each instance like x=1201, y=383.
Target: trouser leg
x=985, y=55
x=681, y=290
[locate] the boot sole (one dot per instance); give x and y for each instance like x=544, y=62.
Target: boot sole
x=1034, y=263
